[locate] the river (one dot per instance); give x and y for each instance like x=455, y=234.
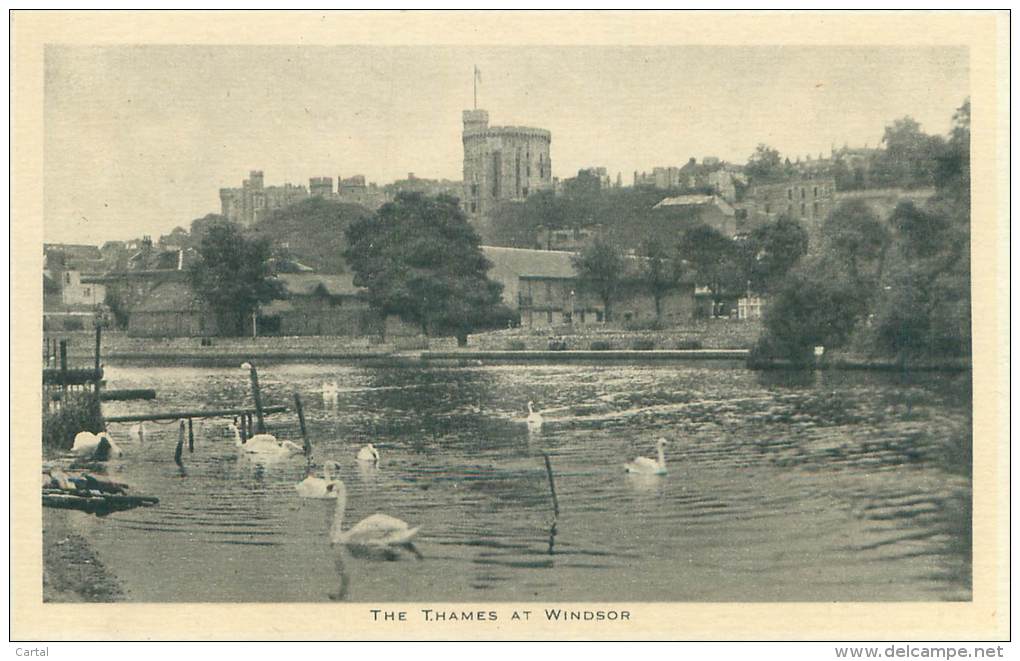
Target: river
x=782, y=486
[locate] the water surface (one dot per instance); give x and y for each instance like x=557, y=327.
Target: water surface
x=833, y=486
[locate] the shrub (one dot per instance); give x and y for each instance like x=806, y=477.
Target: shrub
x=688, y=345
x=557, y=345
x=77, y=412
x=643, y=344
x=600, y=345
x=517, y=345
x=644, y=325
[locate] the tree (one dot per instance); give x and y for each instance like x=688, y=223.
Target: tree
x=118, y=306
x=601, y=270
x=774, y=248
x=817, y=304
x=658, y=273
x=232, y=273
x=419, y=259
x=765, y=164
x=714, y=260
x=312, y=231
x=853, y=234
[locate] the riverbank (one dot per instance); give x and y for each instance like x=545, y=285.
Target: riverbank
x=72, y=572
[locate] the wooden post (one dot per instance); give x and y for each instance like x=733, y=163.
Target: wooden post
x=244, y=428
x=191, y=437
x=552, y=484
x=63, y=365
x=256, y=394
x=179, y=450
x=251, y=426
x=301, y=421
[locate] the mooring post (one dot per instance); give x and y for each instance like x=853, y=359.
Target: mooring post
x=63, y=365
x=301, y=421
x=552, y=484
x=191, y=437
x=179, y=450
x=256, y=394
x=244, y=428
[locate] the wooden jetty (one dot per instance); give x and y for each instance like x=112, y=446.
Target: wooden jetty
x=184, y=415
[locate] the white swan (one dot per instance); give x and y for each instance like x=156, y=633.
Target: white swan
x=264, y=444
x=377, y=530
x=330, y=392
x=138, y=432
x=368, y=454
x=534, y=419
x=648, y=466
x=318, y=487
x=87, y=444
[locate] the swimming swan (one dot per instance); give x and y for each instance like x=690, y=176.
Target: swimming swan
x=648, y=466
x=265, y=444
x=368, y=454
x=377, y=530
x=318, y=487
x=534, y=419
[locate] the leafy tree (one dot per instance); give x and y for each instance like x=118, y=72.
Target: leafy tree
x=765, y=164
x=909, y=158
x=233, y=275
x=774, y=248
x=418, y=258
x=714, y=259
x=854, y=235
x=817, y=304
x=118, y=306
x=312, y=231
x=601, y=270
x=658, y=272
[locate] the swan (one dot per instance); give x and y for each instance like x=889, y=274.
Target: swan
x=319, y=487
x=375, y=531
x=368, y=454
x=267, y=444
x=648, y=466
x=534, y=419
x=330, y=392
x=87, y=444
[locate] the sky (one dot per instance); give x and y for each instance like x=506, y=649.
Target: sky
x=139, y=139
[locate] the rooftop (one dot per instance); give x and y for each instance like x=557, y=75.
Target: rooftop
x=532, y=263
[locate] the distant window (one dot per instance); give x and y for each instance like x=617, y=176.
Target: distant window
x=525, y=189
x=598, y=315
x=549, y=314
x=88, y=291
x=67, y=278
x=474, y=207
x=803, y=209
x=789, y=193
x=803, y=194
x=768, y=208
x=815, y=205
x=816, y=191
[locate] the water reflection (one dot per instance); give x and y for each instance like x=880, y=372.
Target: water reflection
x=782, y=486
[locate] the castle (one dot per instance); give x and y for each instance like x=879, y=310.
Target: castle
x=502, y=163
x=254, y=200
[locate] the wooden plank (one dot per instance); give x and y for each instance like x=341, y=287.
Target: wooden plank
x=177, y=415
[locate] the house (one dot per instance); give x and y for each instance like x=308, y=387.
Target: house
x=710, y=210
x=542, y=286
x=809, y=201
x=319, y=305
x=172, y=309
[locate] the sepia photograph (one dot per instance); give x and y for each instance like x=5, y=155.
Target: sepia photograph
x=453, y=326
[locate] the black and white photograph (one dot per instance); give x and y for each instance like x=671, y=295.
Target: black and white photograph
x=453, y=326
